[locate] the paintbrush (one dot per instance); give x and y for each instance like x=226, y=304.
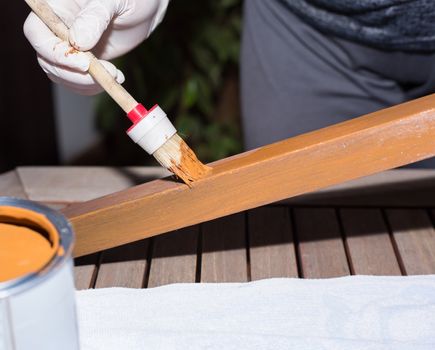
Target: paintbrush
x=152, y=129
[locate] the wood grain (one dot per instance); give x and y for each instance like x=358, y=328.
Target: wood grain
x=10, y=185
x=224, y=250
x=321, y=249
x=78, y=184
x=85, y=271
x=174, y=257
x=368, y=241
x=415, y=239
x=272, y=251
x=123, y=266
x=356, y=148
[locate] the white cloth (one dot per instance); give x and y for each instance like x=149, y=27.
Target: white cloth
x=359, y=312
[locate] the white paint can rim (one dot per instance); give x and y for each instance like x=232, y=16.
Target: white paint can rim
x=63, y=228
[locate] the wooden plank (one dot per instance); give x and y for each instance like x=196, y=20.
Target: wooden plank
x=85, y=270
x=78, y=184
x=272, y=251
x=321, y=249
x=415, y=239
x=224, y=250
x=10, y=185
x=392, y=188
x=368, y=241
x=302, y=164
x=123, y=266
x=174, y=257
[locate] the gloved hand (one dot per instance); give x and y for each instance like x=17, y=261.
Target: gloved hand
x=109, y=27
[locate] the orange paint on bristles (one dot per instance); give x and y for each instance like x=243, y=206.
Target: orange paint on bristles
x=178, y=157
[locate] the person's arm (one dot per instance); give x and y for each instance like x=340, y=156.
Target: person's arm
x=109, y=28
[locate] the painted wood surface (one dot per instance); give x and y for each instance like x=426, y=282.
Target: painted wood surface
x=261, y=246
x=302, y=164
x=393, y=188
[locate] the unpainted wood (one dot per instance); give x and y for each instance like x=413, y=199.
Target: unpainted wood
x=321, y=249
x=174, y=257
x=10, y=185
x=78, y=184
x=415, y=239
x=224, y=250
x=368, y=241
x=123, y=266
x=302, y=164
x=272, y=250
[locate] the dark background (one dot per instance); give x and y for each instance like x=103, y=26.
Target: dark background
x=27, y=129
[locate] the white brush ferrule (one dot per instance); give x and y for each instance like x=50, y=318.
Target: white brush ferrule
x=152, y=131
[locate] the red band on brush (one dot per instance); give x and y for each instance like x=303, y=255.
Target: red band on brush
x=137, y=113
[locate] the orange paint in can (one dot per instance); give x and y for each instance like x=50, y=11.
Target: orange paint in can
x=37, y=304
x=28, y=242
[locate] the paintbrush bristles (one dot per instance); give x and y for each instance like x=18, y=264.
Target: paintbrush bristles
x=176, y=156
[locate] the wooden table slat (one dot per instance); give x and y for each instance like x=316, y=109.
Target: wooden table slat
x=123, y=266
x=321, y=248
x=85, y=271
x=10, y=185
x=224, y=250
x=368, y=240
x=415, y=239
x=276, y=243
x=272, y=250
x=174, y=257
x=78, y=184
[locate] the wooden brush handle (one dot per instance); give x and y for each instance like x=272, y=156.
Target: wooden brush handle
x=96, y=69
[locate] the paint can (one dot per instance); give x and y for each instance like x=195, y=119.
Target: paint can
x=37, y=294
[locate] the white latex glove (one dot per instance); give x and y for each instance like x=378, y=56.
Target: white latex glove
x=109, y=27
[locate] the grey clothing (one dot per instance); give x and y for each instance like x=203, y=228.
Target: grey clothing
x=295, y=78
x=406, y=25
